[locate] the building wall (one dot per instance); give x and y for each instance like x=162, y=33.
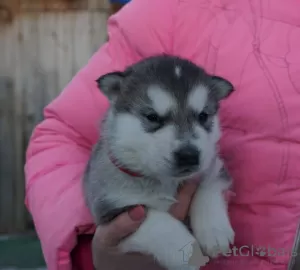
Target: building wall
x=42, y=45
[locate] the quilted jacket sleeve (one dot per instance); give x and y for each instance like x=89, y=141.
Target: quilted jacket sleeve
x=60, y=145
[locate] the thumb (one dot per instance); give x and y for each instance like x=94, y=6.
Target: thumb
x=125, y=224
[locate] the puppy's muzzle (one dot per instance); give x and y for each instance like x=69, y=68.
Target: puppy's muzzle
x=187, y=157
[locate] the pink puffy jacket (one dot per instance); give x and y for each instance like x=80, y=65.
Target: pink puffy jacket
x=254, y=44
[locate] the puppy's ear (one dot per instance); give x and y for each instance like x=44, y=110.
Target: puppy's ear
x=221, y=87
x=110, y=84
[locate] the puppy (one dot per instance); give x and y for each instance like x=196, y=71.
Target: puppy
x=161, y=130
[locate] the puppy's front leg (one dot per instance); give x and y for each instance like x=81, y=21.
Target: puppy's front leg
x=163, y=237
x=209, y=217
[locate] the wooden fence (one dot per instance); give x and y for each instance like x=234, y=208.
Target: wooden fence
x=42, y=45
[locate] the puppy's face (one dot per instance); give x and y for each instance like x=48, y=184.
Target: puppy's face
x=163, y=116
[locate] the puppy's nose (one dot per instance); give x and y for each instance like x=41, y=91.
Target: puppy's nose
x=187, y=156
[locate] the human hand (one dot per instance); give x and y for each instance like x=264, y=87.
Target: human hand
x=107, y=237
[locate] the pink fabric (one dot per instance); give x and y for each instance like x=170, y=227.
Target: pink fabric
x=254, y=44
x=82, y=254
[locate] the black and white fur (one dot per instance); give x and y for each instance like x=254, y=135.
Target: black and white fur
x=163, y=123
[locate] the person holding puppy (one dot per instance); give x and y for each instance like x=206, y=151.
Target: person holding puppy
x=255, y=45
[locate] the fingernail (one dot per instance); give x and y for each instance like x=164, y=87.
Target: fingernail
x=231, y=193
x=137, y=213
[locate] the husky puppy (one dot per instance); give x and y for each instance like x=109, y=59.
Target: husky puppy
x=161, y=130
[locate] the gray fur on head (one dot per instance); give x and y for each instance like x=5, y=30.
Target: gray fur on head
x=187, y=99
x=162, y=123
x=115, y=83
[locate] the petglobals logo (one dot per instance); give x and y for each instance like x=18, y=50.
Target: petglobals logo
x=269, y=251
x=193, y=256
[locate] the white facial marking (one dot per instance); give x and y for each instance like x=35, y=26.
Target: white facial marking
x=141, y=150
x=197, y=98
x=162, y=100
x=178, y=71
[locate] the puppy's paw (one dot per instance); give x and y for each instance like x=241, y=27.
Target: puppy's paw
x=214, y=238
x=185, y=267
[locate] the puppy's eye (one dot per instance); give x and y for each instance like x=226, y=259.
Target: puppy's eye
x=153, y=117
x=202, y=117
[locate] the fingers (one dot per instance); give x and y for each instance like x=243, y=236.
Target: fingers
x=125, y=224
x=180, y=209
x=228, y=194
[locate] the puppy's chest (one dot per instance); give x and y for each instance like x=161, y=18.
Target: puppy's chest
x=154, y=194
